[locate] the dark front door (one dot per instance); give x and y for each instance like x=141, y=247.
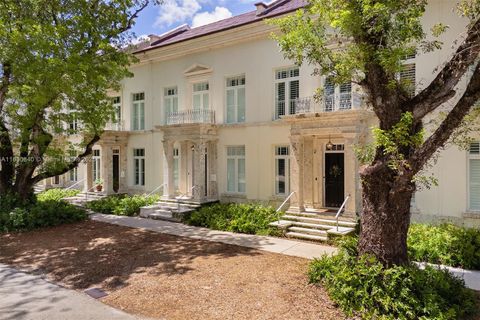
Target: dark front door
x=334, y=179
x=116, y=172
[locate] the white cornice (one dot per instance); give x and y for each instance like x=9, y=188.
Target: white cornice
x=249, y=32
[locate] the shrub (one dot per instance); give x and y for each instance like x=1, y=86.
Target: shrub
x=242, y=218
x=122, y=205
x=41, y=214
x=445, y=244
x=56, y=194
x=363, y=287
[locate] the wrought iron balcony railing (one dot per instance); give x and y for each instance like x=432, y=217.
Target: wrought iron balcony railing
x=191, y=117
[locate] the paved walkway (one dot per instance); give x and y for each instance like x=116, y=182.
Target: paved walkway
x=270, y=244
x=28, y=297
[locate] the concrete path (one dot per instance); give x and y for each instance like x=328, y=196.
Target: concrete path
x=29, y=297
x=270, y=244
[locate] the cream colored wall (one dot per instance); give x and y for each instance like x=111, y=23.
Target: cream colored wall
x=258, y=59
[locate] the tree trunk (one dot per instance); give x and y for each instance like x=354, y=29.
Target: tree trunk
x=386, y=217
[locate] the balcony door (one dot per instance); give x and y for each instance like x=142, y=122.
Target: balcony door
x=201, y=96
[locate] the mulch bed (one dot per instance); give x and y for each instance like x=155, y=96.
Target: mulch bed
x=169, y=277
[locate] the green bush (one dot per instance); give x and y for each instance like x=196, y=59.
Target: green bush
x=362, y=287
x=445, y=244
x=242, y=218
x=56, y=194
x=41, y=214
x=122, y=205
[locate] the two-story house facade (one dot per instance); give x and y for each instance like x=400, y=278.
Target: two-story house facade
x=217, y=113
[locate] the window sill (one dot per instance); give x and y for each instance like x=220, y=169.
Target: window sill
x=234, y=195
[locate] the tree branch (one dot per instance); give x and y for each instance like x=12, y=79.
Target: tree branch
x=442, y=88
x=71, y=165
x=453, y=120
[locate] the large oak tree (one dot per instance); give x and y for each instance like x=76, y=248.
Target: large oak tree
x=366, y=41
x=58, y=59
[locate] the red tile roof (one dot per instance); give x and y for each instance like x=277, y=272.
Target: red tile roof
x=184, y=32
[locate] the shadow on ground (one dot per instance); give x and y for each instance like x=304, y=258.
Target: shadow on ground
x=97, y=254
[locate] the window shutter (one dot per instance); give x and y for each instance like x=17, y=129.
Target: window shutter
x=407, y=78
x=294, y=94
x=135, y=117
x=280, y=99
x=475, y=184
x=329, y=91
x=206, y=104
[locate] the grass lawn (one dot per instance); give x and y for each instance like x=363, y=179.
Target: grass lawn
x=163, y=276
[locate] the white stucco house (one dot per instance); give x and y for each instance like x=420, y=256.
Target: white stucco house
x=217, y=113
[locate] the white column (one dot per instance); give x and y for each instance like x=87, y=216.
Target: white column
x=169, y=191
x=297, y=172
x=199, y=171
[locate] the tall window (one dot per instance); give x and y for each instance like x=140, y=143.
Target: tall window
x=176, y=168
x=282, y=170
x=73, y=125
x=287, y=90
x=139, y=166
x=474, y=176
x=118, y=110
x=201, y=95
x=170, y=101
x=138, y=111
x=337, y=97
x=96, y=165
x=236, y=99
x=73, y=174
x=236, y=169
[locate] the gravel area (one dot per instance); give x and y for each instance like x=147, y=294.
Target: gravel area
x=168, y=277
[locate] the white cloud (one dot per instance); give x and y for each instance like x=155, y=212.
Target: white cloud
x=174, y=11
x=204, y=18
x=139, y=39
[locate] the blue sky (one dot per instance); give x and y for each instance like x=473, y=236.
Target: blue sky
x=161, y=18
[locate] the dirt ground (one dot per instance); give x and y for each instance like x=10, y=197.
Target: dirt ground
x=168, y=277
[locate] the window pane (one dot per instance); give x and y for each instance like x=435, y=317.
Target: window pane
x=142, y=116
x=230, y=105
x=206, y=104
x=280, y=99
x=241, y=175
x=231, y=175
x=241, y=105
x=197, y=101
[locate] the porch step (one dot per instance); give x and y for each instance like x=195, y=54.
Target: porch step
x=163, y=215
x=300, y=218
x=312, y=225
x=306, y=236
x=315, y=232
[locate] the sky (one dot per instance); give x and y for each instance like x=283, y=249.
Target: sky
x=172, y=13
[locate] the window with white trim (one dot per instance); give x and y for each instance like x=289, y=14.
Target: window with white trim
x=474, y=176
x=73, y=125
x=201, y=97
x=176, y=168
x=235, y=97
x=337, y=97
x=170, y=101
x=287, y=91
x=117, y=106
x=282, y=170
x=138, y=111
x=236, y=169
x=96, y=163
x=73, y=173
x=139, y=167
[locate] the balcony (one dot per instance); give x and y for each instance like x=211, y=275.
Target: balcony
x=191, y=117
x=115, y=126
x=330, y=103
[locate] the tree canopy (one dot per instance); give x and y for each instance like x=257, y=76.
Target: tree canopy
x=58, y=59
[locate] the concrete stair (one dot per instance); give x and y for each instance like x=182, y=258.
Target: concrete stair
x=172, y=210
x=83, y=197
x=38, y=188
x=315, y=225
